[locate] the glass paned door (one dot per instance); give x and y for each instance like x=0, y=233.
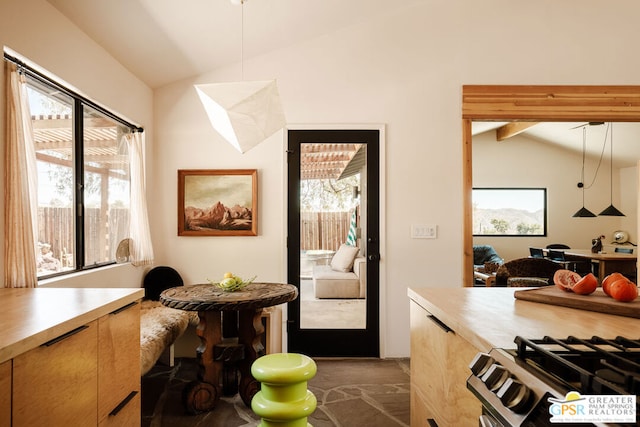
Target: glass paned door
x=333, y=227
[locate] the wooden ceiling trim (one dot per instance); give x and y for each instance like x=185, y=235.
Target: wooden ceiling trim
x=551, y=103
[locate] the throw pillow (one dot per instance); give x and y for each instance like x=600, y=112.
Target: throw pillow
x=343, y=259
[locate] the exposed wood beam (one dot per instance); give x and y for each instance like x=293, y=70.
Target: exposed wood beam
x=512, y=129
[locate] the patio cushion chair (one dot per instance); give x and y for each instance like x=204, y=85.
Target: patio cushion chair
x=526, y=272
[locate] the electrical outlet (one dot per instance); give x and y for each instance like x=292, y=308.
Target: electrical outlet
x=424, y=231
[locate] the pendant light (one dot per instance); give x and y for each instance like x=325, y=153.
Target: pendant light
x=611, y=210
x=244, y=113
x=583, y=212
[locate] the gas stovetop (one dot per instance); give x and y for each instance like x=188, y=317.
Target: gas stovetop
x=518, y=387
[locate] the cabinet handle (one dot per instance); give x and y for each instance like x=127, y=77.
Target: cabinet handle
x=431, y=422
x=65, y=336
x=123, y=308
x=122, y=404
x=440, y=323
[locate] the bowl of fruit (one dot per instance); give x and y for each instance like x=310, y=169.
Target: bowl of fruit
x=231, y=282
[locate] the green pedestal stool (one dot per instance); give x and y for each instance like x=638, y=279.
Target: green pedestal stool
x=283, y=399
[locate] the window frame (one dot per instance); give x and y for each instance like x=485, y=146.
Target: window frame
x=79, y=104
x=512, y=189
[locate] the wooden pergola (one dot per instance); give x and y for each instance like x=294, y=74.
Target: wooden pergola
x=53, y=140
x=330, y=161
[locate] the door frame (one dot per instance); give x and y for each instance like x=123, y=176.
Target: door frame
x=382, y=284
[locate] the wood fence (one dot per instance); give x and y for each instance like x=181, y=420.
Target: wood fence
x=318, y=230
x=56, y=228
x=323, y=230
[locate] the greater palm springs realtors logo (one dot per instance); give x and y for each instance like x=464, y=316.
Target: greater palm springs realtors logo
x=593, y=408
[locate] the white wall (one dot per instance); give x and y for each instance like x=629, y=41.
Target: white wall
x=501, y=164
x=405, y=70
x=35, y=30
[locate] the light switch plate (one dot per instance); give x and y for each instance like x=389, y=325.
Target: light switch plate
x=424, y=231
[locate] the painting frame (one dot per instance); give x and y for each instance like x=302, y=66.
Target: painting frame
x=204, y=196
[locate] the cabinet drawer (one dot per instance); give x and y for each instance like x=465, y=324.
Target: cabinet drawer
x=119, y=360
x=56, y=384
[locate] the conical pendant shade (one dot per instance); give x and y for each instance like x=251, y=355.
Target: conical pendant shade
x=611, y=211
x=243, y=113
x=584, y=213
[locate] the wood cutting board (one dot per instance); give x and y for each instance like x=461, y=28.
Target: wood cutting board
x=597, y=301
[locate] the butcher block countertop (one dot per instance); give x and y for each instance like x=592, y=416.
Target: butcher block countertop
x=30, y=317
x=493, y=317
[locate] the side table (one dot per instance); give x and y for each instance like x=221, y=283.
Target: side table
x=211, y=302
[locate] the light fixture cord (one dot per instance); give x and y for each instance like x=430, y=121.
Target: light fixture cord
x=584, y=148
x=604, y=146
x=242, y=40
x=611, y=165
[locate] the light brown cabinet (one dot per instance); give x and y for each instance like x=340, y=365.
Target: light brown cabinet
x=439, y=371
x=86, y=376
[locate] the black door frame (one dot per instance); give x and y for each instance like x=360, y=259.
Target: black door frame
x=335, y=342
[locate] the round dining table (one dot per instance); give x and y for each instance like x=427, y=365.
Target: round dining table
x=213, y=305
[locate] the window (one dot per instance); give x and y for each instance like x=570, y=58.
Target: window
x=83, y=178
x=509, y=211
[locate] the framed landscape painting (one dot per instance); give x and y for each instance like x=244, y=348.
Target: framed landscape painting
x=218, y=202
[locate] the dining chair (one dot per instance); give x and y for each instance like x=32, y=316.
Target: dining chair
x=624, y=250
x=536, y=252
x=559, y=258
x=558, y=246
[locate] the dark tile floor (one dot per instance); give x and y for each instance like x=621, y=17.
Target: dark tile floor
x=350, y=392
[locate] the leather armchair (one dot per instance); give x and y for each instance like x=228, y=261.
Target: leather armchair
x=526, y=272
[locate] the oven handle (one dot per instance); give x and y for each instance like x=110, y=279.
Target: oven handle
x=488, y=421
x=440, y=323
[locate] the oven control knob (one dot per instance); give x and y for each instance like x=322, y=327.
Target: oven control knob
x=480, y=364
x=495, y=376
x=515, y=395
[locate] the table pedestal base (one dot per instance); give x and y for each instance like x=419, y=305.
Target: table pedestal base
x=203, y=395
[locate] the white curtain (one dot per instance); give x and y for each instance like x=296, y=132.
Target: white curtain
x=140, y=247
x=21, y=188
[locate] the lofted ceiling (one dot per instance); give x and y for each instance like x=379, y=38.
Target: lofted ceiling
x=163, y=41
x=569, y=136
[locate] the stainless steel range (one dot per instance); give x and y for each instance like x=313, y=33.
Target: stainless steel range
x=561, y=378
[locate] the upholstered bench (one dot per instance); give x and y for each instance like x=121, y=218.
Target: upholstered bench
x=160, y=327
